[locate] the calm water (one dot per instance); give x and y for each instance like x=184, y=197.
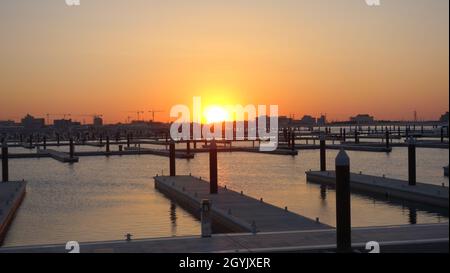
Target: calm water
x=103, y=198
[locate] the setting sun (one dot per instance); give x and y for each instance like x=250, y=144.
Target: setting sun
x=214, y=114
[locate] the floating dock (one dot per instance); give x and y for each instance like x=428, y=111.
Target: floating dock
x=142, y=151
x=408, y=238
x=11, y=196
x=60, y=156
x=231, y=210
x=422, y=193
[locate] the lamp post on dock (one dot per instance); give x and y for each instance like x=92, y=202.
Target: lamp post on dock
x=343, y=208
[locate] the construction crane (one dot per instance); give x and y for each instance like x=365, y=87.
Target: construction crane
x=63, y=115
x=138, y=112
x=153, y=114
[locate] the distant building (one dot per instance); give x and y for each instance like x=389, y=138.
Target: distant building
x=362, y=119
x=444, y=118
x=98, y=121
x=7, y=123
x=284, y=121
x=63, y=124
x=322, y=120
x=308, y=120
x=31, y=123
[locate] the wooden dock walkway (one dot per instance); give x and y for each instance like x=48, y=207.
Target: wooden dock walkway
x=231, y=210
x=11, y=196
x=407, y=238
x=142, y=151
x=60, y=156
x=422, y=193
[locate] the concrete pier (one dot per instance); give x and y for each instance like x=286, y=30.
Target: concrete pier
x=11, y=196
x=231, y=210
x=392, y=239
x=421, y=193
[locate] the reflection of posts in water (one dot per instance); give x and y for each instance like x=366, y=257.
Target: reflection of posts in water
x=412, y=216
x=173, y=217
x=323, y=192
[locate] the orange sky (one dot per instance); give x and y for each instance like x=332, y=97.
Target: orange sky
x=309, y=57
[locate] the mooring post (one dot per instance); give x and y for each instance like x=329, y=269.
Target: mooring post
x=343, y=208
x=107, y=144
x=188, y=147
x=5, y=166
x=412, y=161
x=206, y=218
x=387, y=139
x=323, y=159
x=213, y=167
x=172, y=158
x=292, y=140
x=71, y=147
x=45, y=142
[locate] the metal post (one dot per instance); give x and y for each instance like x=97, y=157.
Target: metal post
x=107, y=144
x=412, y=162
x=442, y=134
x=387, y=139
x=45, y=142
x=5, y=166
x=343, y=208
x=71, y=148
x=206, y=218
x=213, y=167
x=188, y=147
x=323, y=160
x=172, y=158
x=293, y=140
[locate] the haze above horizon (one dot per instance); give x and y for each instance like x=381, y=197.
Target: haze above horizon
x=309, y=57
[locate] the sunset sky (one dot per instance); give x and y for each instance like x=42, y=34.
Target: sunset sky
x=114, y=57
